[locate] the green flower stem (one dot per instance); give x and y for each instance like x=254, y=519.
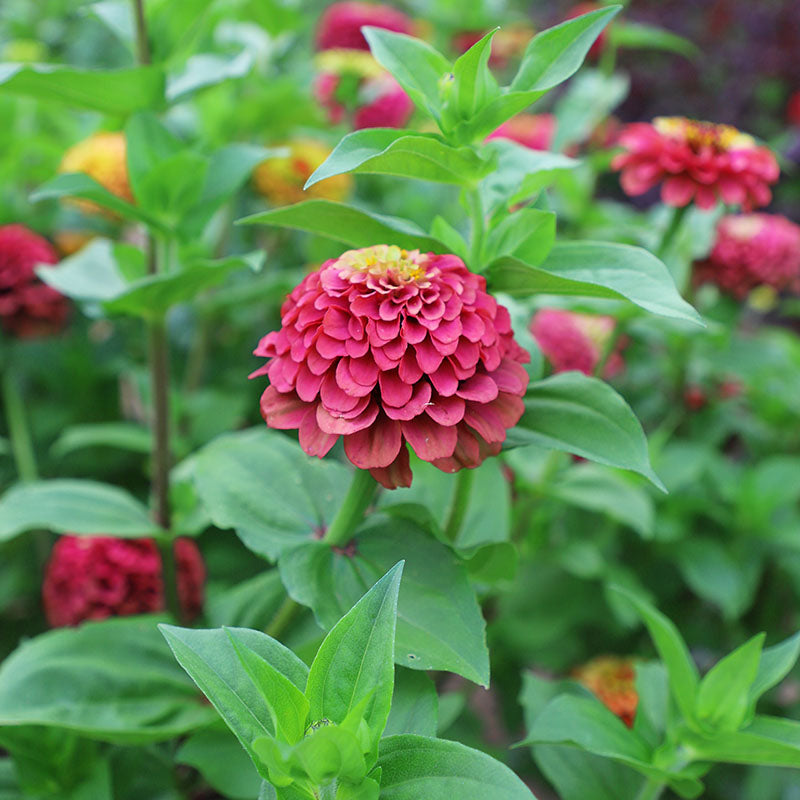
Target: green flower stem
x=476, y=215
x=283, y=616
x=616, y=335
x=360, y=494
x=169, y=572
x=459, y=504
x=142, y=40
x=18, y=432
x=673, y=226
x=651, y=790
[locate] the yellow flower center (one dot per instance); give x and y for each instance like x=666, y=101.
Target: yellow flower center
x=699, y=134
x=350, y=62
x=382, y=259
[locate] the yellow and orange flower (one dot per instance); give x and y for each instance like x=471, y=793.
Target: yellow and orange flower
x=103, y=157
x=613, y=680
x=281, y=180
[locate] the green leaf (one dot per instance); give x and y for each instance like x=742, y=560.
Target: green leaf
x=415, y=707
x=331, y=752
x=415, y=767
x=454, y=242
x=555, y=54
x=585, y=416
x=113, y=680
x=82, y=187
x=388, y=151
x=263, y=485
x=527, y=234
x=148, y=145
x=775, y=664
x=416, y=66
x=286, y=703
x=723, y=696
x=118, y=92
x=206, y=69
x=208, y=656
x=596, y=269
x=473, y=82
x=120, y=435
x=599, y=489
x=249, y=604
x=348, y=225
x=640, y=36
x=683, y=676
x=355, y=662
x=439, y=625
x=73, y=506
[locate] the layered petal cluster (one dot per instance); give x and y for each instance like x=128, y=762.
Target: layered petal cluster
x=508, y=43
x=352, y=87
x=95, y=577
x=103, y=157
x=698, y=162
x=28, y=307
x=340, y=24
x=281, y=180
x=573, y=341
x=384, y=347
x=753, y=250
x=535, y=131
x=613, y=680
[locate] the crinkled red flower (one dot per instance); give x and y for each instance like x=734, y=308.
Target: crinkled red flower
x=535, y=131
x=698, y=162
x=370, y=101
x=613, y=680
x=572, y=341
x=95, y=577
x=28, y=307
x=753, y=250
x=340, y=24
x=385, y=347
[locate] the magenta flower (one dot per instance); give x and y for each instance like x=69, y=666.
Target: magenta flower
x=535, y=131
x=572, y=341
x=28, y=307
x=384, y=347
x=340, y=24
x=95, y=577
x=753, y=250
x=698, y=162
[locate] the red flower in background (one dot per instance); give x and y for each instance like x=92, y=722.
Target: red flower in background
x=613, y=680
x=508, y=43
x=793, y=110
x=572, y=341
x=386, y=347
x=95, y=577
x=352, y=84
x=698, y=162
x=340, y=24
x=28, y=307
x=753, y=250
x=535, y=131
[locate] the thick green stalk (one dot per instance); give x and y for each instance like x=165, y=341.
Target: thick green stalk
x=459, y=504
x=351, y=512
x=140, y=24
x=651, y=790
x=18, y=432
x=673, y=226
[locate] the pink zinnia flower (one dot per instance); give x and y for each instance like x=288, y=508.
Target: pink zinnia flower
x=695, y=161
x=386, y=347
x=535, y=131
x=28, y=307
x=572, y=341
x=340, y=24
x=753, y=250
x=95, y=577
x=352, y=85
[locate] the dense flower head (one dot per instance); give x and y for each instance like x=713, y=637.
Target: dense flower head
x=384, y=347
x=28, y=307
x=340, y=24
x=352, y=86
x=535, y=131
x=699, y=162
x=103, y=157
x=573, y=341
x=753, y=250
x=281, y=179
x=613, y=680
x=95, y=577
x=508, y=43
